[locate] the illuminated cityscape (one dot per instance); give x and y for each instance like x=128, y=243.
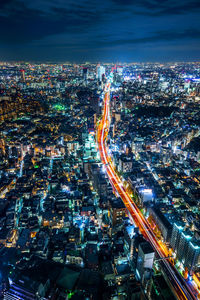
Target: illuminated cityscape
x=99, y=195
x=99, y=150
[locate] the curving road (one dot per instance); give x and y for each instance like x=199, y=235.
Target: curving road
x=179, y=286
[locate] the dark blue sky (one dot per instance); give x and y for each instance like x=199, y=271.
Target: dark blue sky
x=96, y=30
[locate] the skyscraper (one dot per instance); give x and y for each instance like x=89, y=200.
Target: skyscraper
x=183, y=245
x=23, y=75
x=100, y=72
x=176, y=234
x=145, y=262
x=85, y=74
x=192, y=256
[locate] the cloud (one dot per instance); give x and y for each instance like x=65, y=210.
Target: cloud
x=177, y=9
x=21, y=24
x=160, y=36
x=5, y=3
x=160, y=8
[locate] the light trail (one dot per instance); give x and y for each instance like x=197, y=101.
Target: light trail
x=180, y=287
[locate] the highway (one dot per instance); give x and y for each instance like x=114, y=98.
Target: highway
x=179, y=286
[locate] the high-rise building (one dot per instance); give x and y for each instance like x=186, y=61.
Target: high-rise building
x=120, y=70
x=176, y=234
x=183, y=245
x=192, y=256
x=187, y=85
x=125, y=163
x=129, y=236
x=23, y=75
x=117, y=210
x=100, y=72
x=145, y=261
x=94, y=103
x=85, y=74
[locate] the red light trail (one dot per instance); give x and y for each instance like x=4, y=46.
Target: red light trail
x=181, y=289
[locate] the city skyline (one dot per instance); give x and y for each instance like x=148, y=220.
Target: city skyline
x=99, y=149
x=99, y=181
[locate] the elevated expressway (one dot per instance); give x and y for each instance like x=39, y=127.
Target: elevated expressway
x=179, y=286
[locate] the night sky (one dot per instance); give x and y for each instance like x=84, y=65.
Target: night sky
x=100, y=31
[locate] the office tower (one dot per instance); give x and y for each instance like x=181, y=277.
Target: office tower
x=145, y=261
x=100, y=72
